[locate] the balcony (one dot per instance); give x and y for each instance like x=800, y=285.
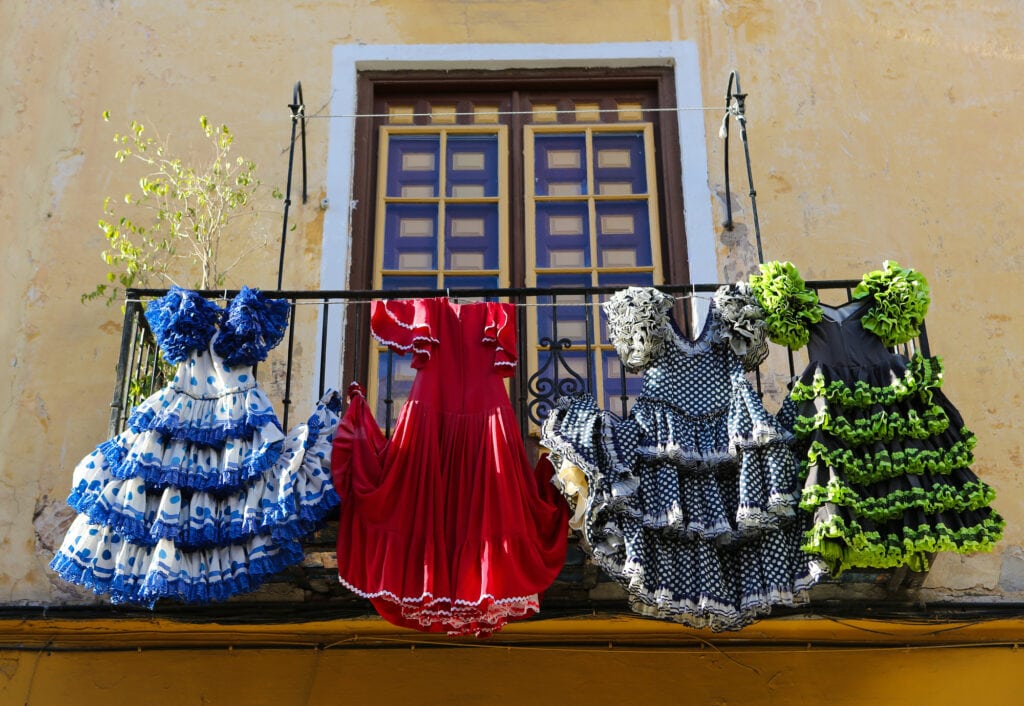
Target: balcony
x=565, y=355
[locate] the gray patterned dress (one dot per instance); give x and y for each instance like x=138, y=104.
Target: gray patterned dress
x=689, y=502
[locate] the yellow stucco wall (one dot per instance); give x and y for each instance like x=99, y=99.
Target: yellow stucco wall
x=879, y=130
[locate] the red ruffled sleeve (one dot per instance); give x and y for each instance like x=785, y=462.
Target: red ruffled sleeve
x=403, y=326
x=500, y=332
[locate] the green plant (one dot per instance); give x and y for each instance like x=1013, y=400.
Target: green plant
x=172, y=229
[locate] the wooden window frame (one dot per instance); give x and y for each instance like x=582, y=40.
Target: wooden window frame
x=372, y=86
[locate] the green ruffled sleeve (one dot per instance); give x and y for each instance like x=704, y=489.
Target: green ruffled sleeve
x=789, y=306
x=901, y=297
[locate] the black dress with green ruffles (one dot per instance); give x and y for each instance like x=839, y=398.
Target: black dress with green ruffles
x=886, y=456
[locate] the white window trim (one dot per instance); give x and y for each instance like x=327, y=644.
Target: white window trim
x=349, y=59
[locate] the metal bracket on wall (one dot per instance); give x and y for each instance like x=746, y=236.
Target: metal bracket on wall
x=735, y=107
x=298, y=109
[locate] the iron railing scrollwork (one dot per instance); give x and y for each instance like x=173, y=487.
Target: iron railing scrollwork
x=546, y=385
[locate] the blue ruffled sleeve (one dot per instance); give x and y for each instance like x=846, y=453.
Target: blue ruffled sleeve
x=251, y=327
x=182, y=321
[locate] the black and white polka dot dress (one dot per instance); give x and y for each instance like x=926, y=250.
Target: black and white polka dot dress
x=689, y=502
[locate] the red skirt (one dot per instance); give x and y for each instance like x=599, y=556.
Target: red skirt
x=445, y=527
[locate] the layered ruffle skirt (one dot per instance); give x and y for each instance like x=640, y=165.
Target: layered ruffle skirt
x=694, y=515
x=199, y=499
x=886, y=466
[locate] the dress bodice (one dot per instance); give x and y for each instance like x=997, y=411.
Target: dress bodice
x=463, y=351
x=840, y=339
x=204, y=375
x=684, y=360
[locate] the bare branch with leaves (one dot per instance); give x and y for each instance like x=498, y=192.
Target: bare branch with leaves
x=171, y=230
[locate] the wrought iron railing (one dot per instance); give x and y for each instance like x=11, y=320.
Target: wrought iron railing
x=533, y=391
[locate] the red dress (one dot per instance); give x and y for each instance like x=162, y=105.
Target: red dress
x=445, y=527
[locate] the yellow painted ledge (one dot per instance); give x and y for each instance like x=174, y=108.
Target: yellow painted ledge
x=616, y=630
x=592, y=660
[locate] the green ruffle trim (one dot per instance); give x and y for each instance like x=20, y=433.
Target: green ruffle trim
x=921, y=375
x=844, y=547
x=972, y=496
x=788, y=305
x=869, y=467
x=880, y=426
x=901, y=298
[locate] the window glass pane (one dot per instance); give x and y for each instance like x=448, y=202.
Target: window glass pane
x=475, y=281
x=560, y=164
x=623, y=234
x=409, y=282
x=471, y=281
x=563, y=316
x=472, y=169
x=471, y=236
x=402, y=374
x=575, y=360
x=561, y=372
x=620, y=166
x=410, y=236
x=615, y=383
x=563, y=235
x=625, y=279
x=413, y=166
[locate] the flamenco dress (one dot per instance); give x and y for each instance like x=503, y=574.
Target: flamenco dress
x=886, y=456
x=203, y=496
x=688, y=502
x=445, y=526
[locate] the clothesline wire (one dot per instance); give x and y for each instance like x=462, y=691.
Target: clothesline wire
x=680, y=292
x=328, y=301
x=556, y=111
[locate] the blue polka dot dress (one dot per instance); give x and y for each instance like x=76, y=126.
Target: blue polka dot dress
x=690, y=501
x=203, y=495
